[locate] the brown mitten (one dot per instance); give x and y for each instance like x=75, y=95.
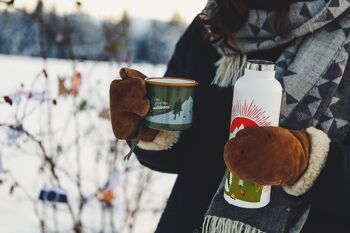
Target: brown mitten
x=268, y=155
x=129, y=105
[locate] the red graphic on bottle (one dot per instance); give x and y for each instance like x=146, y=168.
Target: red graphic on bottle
x=246, y=115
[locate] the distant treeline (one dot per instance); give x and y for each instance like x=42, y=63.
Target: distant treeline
x=81, y=36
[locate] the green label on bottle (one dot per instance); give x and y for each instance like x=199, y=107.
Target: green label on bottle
x=238, y=189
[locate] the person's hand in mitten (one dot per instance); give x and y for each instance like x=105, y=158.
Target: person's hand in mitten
x=129, y=106
x=274, y=155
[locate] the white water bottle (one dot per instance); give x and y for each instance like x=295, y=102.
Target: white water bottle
x=256, y=103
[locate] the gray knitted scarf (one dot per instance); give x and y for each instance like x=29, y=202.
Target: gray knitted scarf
x=315, y=76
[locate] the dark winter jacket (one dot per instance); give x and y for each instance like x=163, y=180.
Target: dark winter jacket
x=197, y=157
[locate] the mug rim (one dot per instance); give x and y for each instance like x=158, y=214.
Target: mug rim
x=192, y=83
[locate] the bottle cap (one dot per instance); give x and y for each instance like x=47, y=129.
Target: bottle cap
x=260, y=65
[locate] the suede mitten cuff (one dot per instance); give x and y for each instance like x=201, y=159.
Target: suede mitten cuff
x=318, y=156
x=164, y=140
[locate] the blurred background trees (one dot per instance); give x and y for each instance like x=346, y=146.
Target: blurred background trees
x=128, y=39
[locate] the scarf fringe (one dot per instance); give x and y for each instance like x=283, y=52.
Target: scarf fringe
x=230, y=68
x=213, y=224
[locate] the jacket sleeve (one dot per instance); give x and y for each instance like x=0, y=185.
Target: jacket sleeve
x=329, y=165
x=331, y=192
x=165, y=152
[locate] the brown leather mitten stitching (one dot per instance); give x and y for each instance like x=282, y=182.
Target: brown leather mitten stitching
x=304, y=140
x=131, y=73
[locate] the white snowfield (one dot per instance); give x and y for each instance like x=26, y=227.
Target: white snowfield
x=22, y=160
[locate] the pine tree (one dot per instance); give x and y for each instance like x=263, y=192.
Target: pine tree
x=177, y=108
x=123, y=33
x=180, y=107
x=118, y=39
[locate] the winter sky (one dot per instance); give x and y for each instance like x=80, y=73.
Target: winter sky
x=112, y=9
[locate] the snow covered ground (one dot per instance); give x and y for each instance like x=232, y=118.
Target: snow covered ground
x=20, y=155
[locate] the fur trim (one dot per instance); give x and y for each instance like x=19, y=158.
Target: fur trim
x=318, y=156
x=163, y=141
x=230, y=68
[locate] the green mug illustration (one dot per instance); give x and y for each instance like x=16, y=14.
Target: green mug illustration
x=171, y=103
